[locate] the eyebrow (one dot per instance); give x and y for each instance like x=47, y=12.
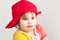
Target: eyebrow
x=24, y=16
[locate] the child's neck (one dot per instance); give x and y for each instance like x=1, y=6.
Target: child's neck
x=31, y=32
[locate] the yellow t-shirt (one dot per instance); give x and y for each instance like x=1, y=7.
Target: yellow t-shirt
x=19, y=35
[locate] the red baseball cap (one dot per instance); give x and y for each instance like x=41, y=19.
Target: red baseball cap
x=20, y=8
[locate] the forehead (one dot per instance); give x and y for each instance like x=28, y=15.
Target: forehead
x=28, y=14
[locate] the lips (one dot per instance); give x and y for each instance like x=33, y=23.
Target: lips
x=30, y=26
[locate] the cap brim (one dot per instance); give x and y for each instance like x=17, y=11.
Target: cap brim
x=11, y=23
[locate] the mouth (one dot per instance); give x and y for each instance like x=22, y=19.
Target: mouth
x=30, y=26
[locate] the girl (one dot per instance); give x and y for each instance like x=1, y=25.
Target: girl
x=24, y=19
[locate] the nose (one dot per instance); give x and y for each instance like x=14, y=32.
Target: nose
x=30, y=21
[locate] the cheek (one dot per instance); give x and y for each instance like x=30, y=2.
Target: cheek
x=23, y=23
x=34, y=21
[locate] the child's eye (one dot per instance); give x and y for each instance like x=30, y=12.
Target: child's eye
x=32, y=17
x=25, y=19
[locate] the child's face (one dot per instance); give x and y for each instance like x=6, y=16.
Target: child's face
x=27, y=22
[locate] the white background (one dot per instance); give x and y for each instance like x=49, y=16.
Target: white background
x=49, y=19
